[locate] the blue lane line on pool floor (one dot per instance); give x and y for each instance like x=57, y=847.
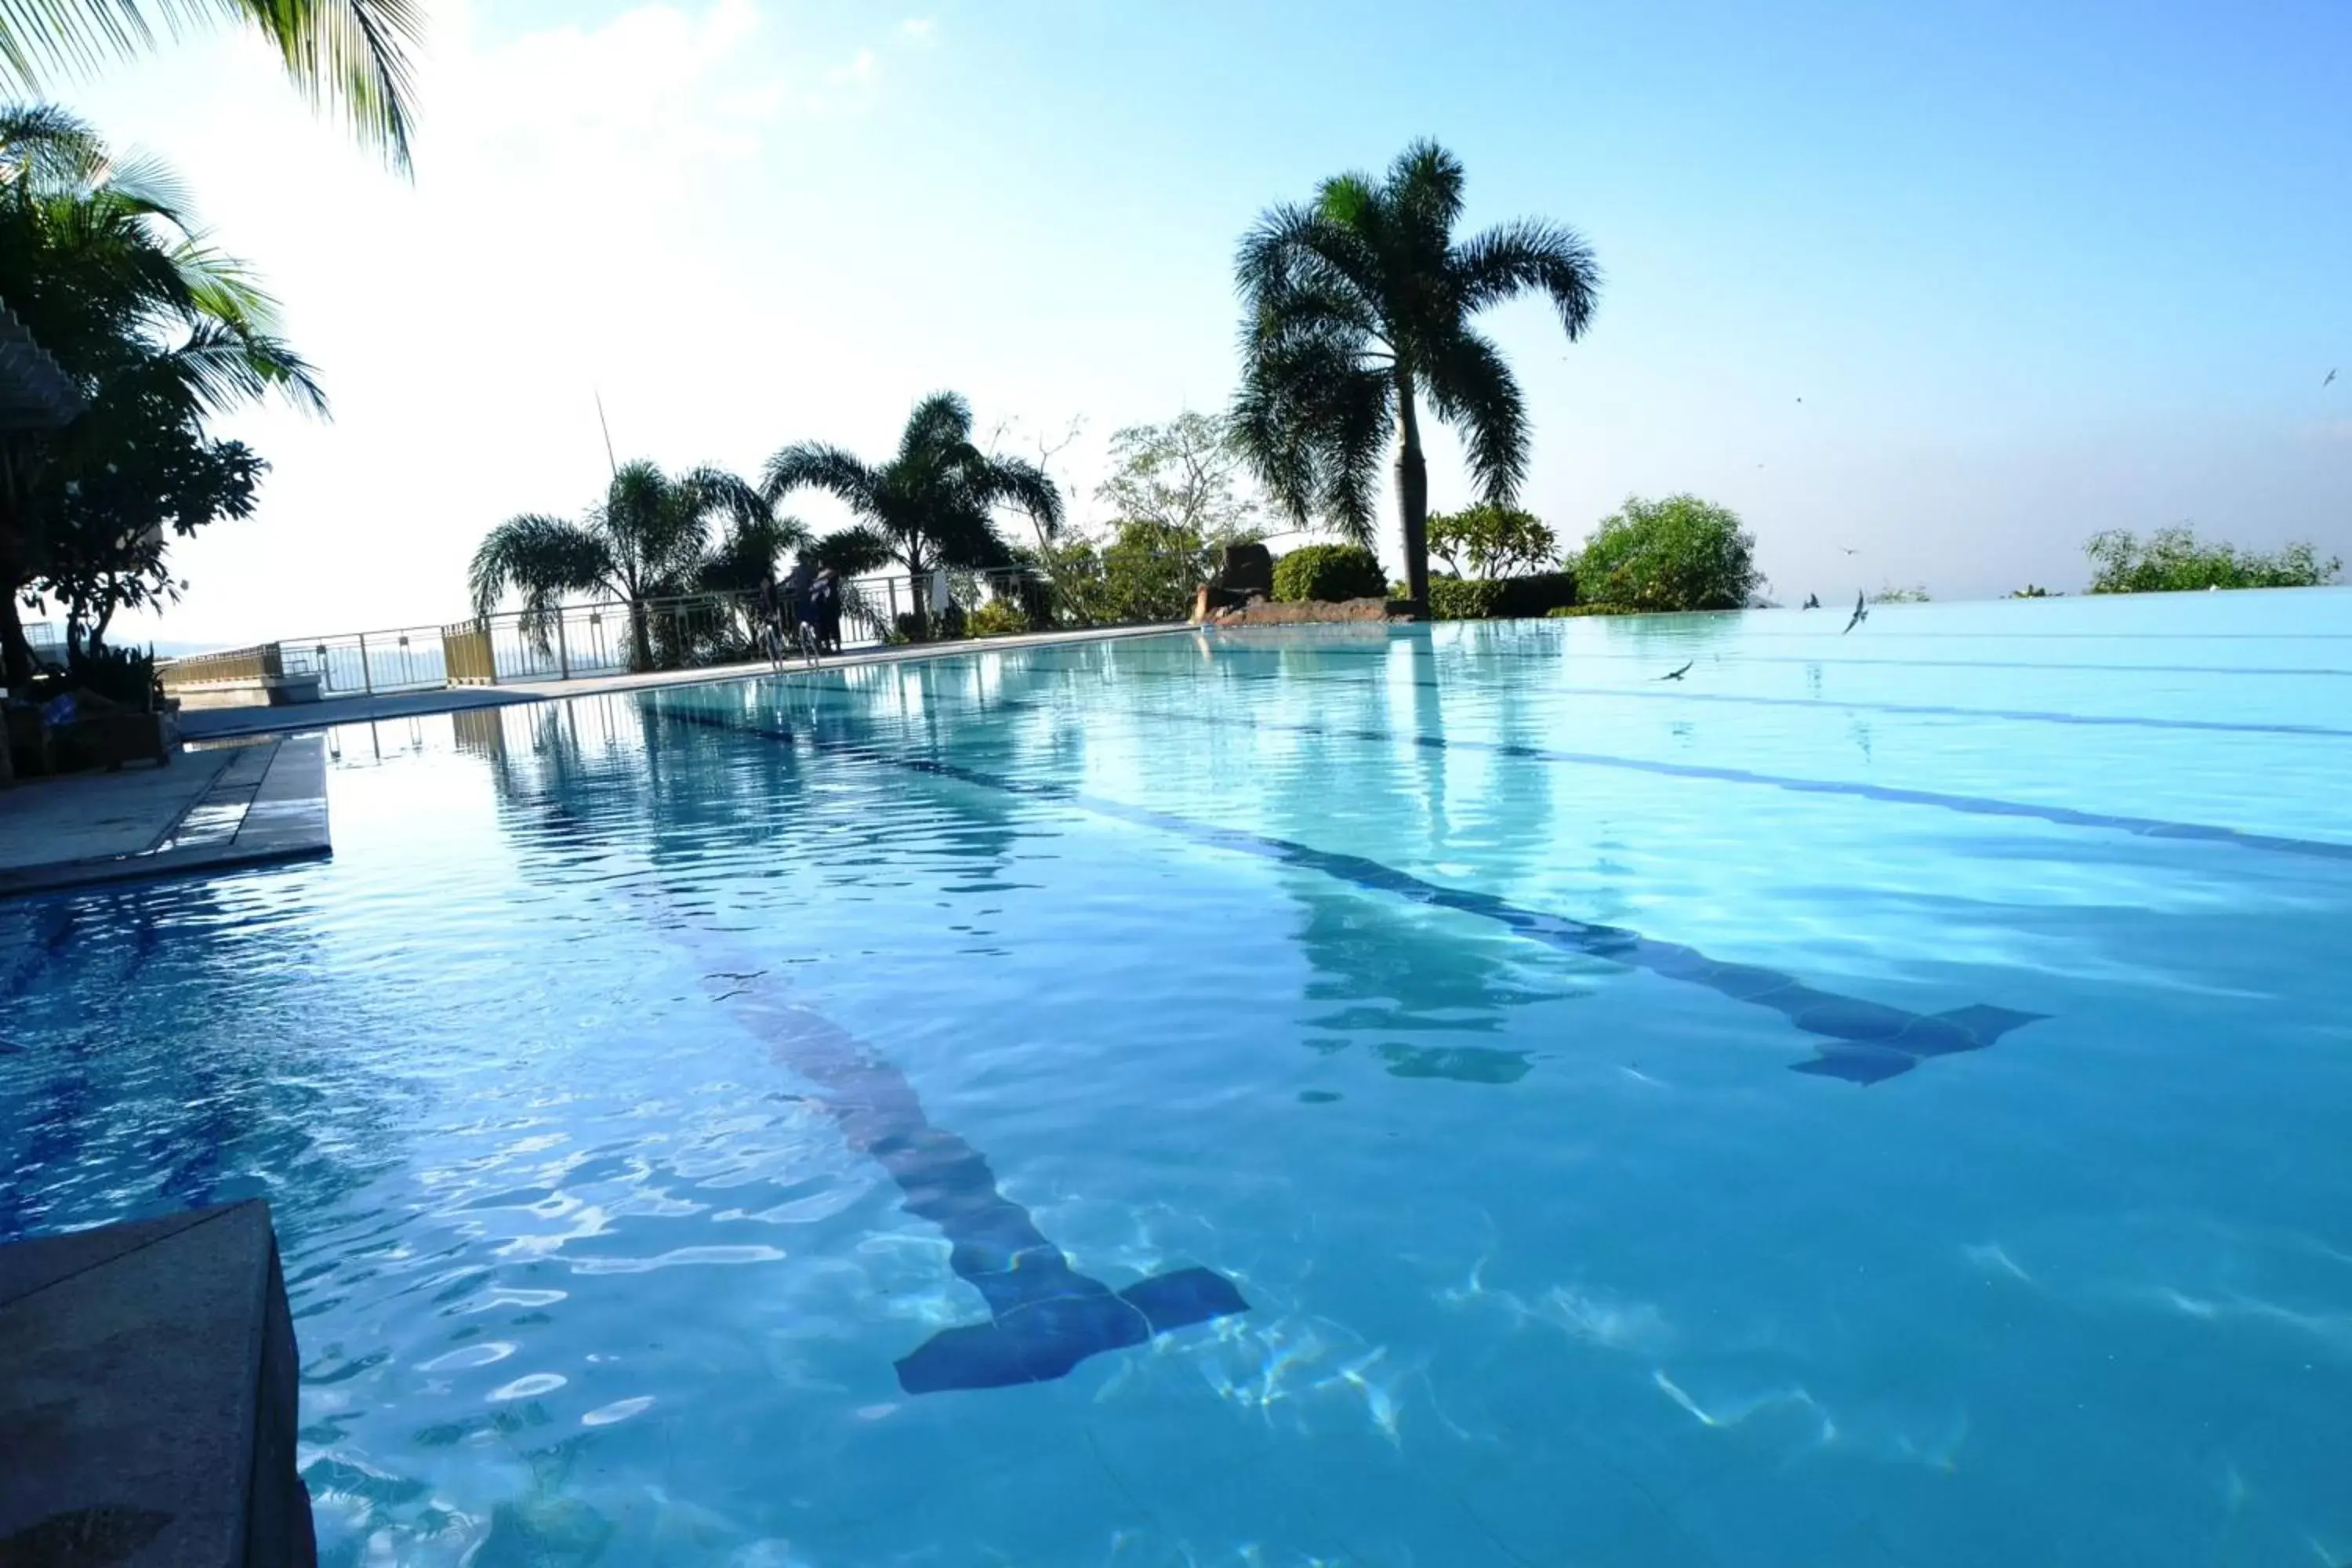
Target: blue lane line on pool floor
x=1861, y=1042
x=1972, y=804
x=1043, y=1316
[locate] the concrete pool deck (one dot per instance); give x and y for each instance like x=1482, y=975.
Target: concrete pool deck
x=210, y=810
x=211, y=723
x=148, y=1396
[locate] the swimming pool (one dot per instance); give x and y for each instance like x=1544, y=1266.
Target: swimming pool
x=1346, y=1072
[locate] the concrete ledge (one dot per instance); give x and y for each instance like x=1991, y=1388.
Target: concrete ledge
x=147, y=1397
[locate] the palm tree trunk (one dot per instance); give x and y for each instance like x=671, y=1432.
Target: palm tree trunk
x=1412, y=496
x=641, y=641
x=921, y=595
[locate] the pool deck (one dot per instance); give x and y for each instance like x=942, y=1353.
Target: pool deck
x=213, y=723
x=210, y=810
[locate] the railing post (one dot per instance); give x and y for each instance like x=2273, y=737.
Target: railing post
x=563, y=648
x=367, y=676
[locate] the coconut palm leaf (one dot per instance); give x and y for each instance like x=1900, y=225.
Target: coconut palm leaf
x=351, y=54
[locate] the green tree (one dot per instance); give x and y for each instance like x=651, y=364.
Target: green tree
x=159, y=331
x=1358, y=305
x=933, y=504
x=648, y=539
x=353, y=53
x=2174, y=560
x=1186, y=476
x=1679, y=553
x=1497, y=541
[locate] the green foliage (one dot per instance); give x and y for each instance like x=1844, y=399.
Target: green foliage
x=1359, y=307
x=1497, y=541
x=1186, y=476
x=1485, y=598
x=1328, y=572
x=1145, y=573
x=2173, y=560
x=157, y=333
x=1679, y=553
x=933, y=503
x=1567, y=612
x=122, y=675
x=2031, y=592
x=648, y=539
x=1891, y=596
x=996, y=618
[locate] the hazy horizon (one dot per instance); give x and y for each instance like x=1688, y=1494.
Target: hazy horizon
x=1953, y=293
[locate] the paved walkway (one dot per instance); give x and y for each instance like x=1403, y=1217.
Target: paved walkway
x=205, y=723
x=206, y=811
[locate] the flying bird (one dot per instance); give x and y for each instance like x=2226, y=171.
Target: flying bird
x=1677, y=674
x=1812, y=602
x=1861, y=612
x=2331, y=376
x=1849, y=549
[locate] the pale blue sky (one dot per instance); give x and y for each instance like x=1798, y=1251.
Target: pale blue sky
x=2032, y=273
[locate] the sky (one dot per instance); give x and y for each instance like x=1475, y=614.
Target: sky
x=1950, y=287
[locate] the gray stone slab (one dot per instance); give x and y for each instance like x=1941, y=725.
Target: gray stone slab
x=147, y=1397
x=93, y=816
x=266, y=802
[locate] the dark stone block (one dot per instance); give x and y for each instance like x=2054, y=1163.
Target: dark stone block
x=1247, y=569
x=147, y=1397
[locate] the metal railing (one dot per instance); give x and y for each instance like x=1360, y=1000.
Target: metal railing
x=575, y=641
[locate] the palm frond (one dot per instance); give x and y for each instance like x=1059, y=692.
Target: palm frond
x=852, y=551
x=540, y=558
x=1015, y=481
x=351, y=54
x=1473, y=389
x=225, y=367
x=1424, y=193
x=1530, y=255
x=816, y=465
x=940, y=422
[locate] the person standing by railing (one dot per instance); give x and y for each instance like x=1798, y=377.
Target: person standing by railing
x=826, y=604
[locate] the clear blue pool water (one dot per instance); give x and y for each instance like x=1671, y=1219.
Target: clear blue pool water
x=648, y=1080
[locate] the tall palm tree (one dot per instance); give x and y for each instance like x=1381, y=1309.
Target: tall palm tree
x=648, y=539
x=352, y=52
x=157, y=329
x=1358, y=305
x=932, y=505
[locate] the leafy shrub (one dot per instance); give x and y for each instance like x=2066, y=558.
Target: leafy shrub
x=1891, y=595
x=1566, y=611
x=1497, y=541
x=1484, y=598
x=2174, y=561
x=1679, y=553
x=122, y=675
x=1328, y=572
x=996, y=618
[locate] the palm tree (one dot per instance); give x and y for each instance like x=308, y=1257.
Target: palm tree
x=648, y=539
x=932, y=505
x=157, y=329
x=355, y=52
x=1358, y=304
